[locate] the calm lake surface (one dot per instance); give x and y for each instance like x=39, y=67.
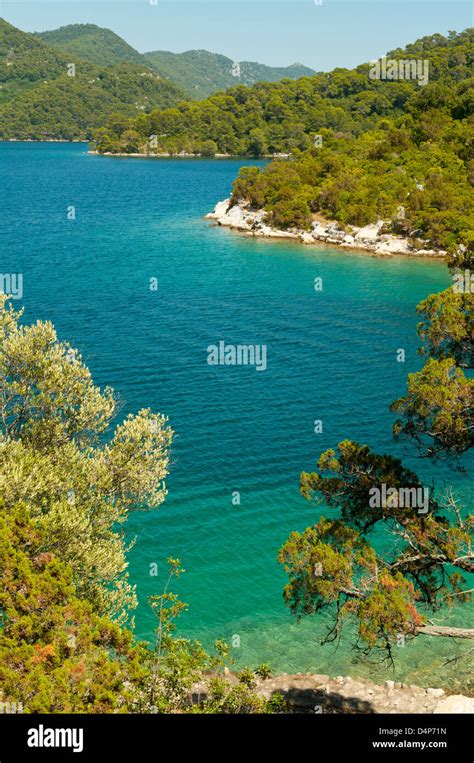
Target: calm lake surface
x=331, y=356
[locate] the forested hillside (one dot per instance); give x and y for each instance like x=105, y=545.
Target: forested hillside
x=39, y=99
x=280, y=117
x=197, y=72
x=361, y=148
x=92, y=43
x=413, y=169
x=201, y=73
x=25, y=61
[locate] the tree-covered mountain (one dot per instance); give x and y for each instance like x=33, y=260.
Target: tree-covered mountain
x=92, y=43
x=197, y=72
x=279, y=117
x=382, y=143
x=201, y=73
x=43, y=98
x=25, y=61
x=69, y=108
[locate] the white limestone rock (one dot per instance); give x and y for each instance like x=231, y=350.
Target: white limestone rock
x=435, y=692
x=320, y=232
x=369, y=233
x=237, y=218
x=370, y=238
x=392, y=245
x=430, y=253
x=456, y=703
x=219, y=211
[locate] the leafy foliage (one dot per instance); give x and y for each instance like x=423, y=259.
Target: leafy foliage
x=56, y=653
x=78, y=489
x=438, y=410
x=446, y=330
x=333, y=565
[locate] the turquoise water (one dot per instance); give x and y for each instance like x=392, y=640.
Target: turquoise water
x=331, y=356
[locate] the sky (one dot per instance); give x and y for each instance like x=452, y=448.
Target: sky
x=274, y=32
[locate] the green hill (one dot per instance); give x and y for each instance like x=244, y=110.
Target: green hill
x=196, y=72
x=39, y=100
x=91, y=43
x=25, y=61
x=200, y=73
x=284, y=116
x=382, y=143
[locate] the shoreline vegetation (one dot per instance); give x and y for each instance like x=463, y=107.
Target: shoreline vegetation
x=344, y=694
x=349, y=146
x=181, y=155
x=372, y=238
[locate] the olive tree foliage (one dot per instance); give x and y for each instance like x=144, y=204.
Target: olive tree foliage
x=58, y=458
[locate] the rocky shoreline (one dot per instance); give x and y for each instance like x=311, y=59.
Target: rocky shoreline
x=310, y=693
x=161, y=155
x=370, y=238
x=320, y=693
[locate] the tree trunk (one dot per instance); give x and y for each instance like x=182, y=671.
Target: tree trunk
x=441, y=630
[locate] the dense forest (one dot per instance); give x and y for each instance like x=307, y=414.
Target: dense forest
x=92, y=43
x=415, y=172
x=360, y=148
x=201, y=73
x=197, y=72
x=279, y=117
x=42, y=98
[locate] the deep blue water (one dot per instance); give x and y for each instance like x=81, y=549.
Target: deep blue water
x=331, y=356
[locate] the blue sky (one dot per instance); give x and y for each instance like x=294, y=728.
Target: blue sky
x=275, y=32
